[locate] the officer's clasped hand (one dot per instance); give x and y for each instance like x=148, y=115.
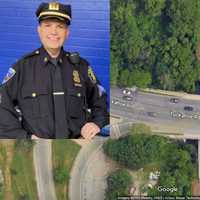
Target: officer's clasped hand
x=89, y=130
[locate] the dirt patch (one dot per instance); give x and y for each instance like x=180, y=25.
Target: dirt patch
x=195, y=188
x=138, y=181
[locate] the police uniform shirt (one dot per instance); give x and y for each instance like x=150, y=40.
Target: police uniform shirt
x=29, y=86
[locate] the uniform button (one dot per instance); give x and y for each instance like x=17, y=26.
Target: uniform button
x=34, y=94
x=45, y=59
x=79, y=94
x=37, y=52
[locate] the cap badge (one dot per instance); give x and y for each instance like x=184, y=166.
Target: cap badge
x=54, y=6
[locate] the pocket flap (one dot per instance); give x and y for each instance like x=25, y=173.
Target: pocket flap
x=30, y=93
x=76, y=93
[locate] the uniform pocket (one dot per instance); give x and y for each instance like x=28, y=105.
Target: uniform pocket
x=35, y=104
x=76, y=104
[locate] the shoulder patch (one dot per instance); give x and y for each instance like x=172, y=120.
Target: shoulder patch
x=91, y=75
x=9, y=75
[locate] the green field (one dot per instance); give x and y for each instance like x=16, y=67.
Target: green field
x=2, y=167
x=64, y=153
x=22, y=175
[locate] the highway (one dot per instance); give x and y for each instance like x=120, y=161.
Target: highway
x=157, y=111
x=43, y=169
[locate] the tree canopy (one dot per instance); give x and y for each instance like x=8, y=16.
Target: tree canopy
x=176, y=159
x=118, y=183
x=155, y=43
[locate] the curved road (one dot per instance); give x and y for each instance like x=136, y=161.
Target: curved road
x=43, y=169
x=88, y=175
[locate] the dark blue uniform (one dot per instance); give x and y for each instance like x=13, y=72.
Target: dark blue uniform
x=30, y=85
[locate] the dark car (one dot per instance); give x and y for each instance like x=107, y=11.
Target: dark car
x=151, y=114
x=174, y=100
x=188, y=108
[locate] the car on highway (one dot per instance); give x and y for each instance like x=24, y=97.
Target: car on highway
x=117, y=102
x=188, y=108
x=151, y=114
x=174, y=100
x=196, y=116
x=127, y=91
x=130, y=91
x=177, y=115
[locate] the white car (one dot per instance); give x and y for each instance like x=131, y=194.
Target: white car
x=176, y=114
x=127, y=92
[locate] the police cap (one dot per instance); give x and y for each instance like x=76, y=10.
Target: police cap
x=54, y=10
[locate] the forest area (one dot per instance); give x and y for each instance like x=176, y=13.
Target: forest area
x=156, y=44
x=176, y=161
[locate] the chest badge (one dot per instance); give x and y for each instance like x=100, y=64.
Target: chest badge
x=76, y=78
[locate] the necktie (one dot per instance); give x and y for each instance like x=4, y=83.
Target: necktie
x=59, y=103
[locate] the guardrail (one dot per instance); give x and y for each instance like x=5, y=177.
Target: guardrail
x=183, y=95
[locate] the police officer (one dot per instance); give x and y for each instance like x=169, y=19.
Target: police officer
x=51, y=93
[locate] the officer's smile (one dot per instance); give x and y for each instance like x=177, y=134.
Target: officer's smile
x=53, y=38
x=52, y=34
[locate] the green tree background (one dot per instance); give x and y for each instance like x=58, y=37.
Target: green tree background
x=155, y=43
x=176, y=159
x=118, y=183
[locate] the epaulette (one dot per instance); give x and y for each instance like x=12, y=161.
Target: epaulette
x=67, y=53
x=34, y=53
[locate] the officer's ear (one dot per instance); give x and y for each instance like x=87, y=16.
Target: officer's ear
x=38, y=29
x=67, y=32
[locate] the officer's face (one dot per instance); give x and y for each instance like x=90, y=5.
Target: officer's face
x=53, y=33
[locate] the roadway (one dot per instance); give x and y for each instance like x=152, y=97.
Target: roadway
x=89, y=172
x=42, y=156
x=157, y=111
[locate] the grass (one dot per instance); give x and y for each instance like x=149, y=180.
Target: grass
x=22, y=175
x=64, y=153
x=2, y=166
